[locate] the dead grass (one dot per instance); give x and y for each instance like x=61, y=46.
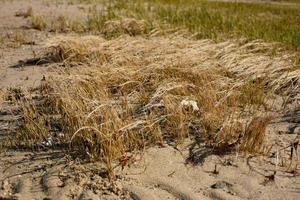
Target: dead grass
x=38, y=22
x=255, y=133
x=15, y=39
x=74, y=50
x=128, y=26
x=2, y=96
x=129, y=93
x=28, y=13
x=60, y=24
x=63, y=24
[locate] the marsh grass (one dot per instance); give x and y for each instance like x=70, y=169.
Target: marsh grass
x=213, y=20
x=202, y=19
x=218, y=20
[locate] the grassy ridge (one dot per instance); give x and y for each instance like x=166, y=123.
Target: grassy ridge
x=214, y=20
x=206, y=19
x=218, y=20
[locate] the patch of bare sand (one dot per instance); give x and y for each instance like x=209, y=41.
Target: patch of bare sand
x=21, y=42
x=48, y=9
x=160, y=173
x=51, y=175
x=166, y=174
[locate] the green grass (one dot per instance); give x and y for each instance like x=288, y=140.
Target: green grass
x=219, y=20
x=288, y=1
x=214, y=20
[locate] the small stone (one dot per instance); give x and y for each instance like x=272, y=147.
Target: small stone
x=225, y=186
x=221, y=185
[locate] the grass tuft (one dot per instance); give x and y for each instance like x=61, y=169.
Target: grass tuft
x=38, y=22
x=255, y=134
x=129, y=93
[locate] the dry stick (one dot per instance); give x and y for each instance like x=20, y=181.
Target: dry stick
x=215, y=170
x=297, y=144
x=294, y=147
x=277, y=160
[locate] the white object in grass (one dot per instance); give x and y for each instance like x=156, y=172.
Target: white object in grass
x=190, y=103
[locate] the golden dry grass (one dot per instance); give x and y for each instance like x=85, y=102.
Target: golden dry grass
x=129, y=93
x=255, y=133
x=38, y=22
x=125, y=25
x=2, y=96
x=73, y=50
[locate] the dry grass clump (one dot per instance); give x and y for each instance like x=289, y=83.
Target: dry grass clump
x=254, y=136
x=15, y=39
x=2, y=96
x=34, y=129
x=130, y=93
x=76, y=49
x=128, y=26
x=60, y=24
x=38, y=22
x=63, y=24
x=105, y=113
x=28, y=13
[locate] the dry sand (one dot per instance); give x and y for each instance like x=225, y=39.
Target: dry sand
x=187, y=172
